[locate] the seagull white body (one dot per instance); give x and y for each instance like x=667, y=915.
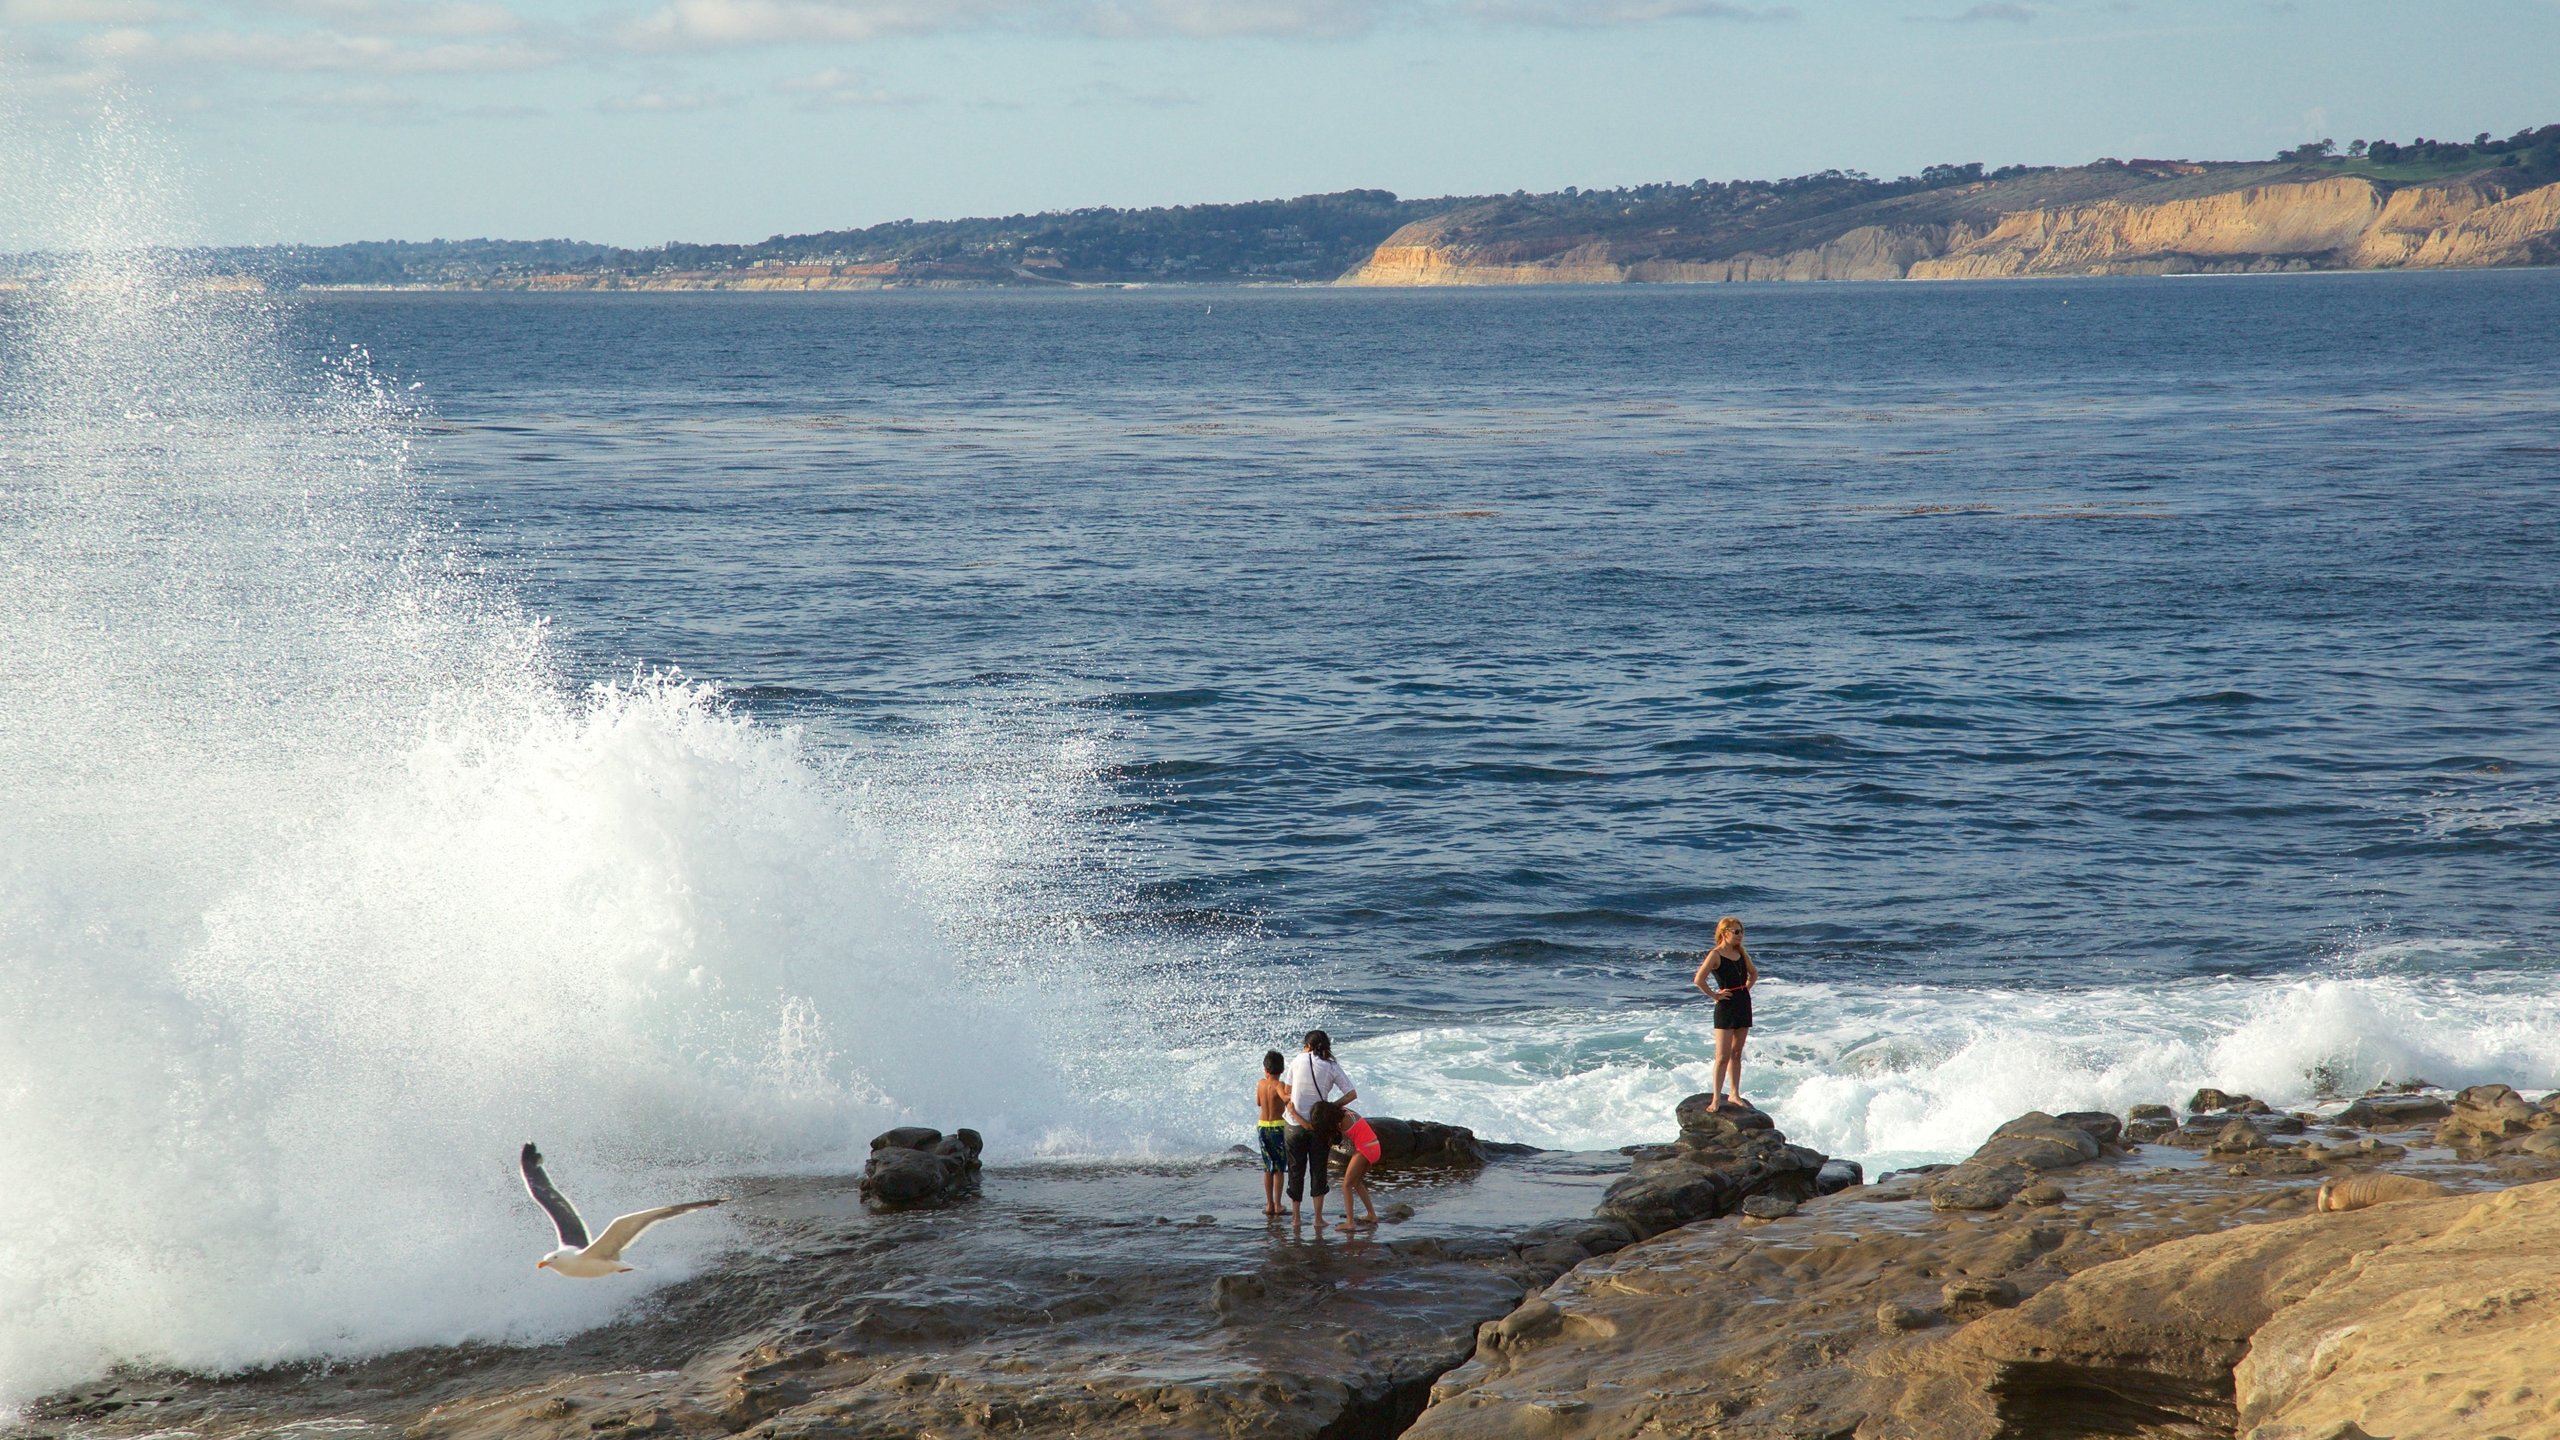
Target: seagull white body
x=578, y=1257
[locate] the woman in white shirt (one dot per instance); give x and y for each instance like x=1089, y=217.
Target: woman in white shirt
x=1312, y=1077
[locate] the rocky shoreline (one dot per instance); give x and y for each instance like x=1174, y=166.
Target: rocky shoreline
x=2079, y=1277
x=2162, y=1273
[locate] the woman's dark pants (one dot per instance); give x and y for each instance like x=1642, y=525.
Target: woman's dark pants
x=1306, y=1158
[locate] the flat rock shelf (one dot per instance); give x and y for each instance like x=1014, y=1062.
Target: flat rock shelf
x=2077, y=1276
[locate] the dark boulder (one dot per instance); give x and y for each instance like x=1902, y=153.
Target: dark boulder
x=1425, y=1142
x=1721, y=1160
x=1667, y=1197
x=1694, y=1114
x=1837, y=1175
x=914, y=1165
x=2144, y=1124
x=2202, y=1132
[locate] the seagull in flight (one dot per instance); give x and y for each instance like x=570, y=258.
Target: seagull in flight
x=578, y=1257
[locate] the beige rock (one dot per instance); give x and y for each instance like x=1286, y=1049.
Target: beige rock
x=2486, y=1116
x=1975, y=1295
x=2442, y=1335
x=2145, y=1345
x=2395, y=1111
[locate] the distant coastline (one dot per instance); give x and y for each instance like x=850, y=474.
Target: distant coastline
x=2427, y=204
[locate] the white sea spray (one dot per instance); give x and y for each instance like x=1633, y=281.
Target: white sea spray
x=323, y=885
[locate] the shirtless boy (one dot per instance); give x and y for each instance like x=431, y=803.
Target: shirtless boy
x=1272, y=1098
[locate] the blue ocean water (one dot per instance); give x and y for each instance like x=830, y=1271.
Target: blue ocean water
x=1474, y=651
x=699, y=731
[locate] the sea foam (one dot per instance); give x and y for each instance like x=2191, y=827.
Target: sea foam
x=323, y=886
x=1904, y=1074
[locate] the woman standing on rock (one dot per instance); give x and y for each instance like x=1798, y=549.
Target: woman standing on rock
x=1726, y=976
x=1312, y=1078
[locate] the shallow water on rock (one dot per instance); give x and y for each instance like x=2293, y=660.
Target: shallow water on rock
x=1103, y=1273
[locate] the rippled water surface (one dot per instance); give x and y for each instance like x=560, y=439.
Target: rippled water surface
x=2086, y=691
x=1474, y=651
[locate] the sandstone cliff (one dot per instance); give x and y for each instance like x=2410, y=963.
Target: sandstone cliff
x=2160, y=223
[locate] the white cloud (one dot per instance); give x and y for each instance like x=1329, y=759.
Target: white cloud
x=838, y=88
x=93, y=80
x=662, y=102
x=86, y=12
x=384, y=103
x=695, y=23
x=309, y=51
x=1208, y=19
x=766, y=22
x=363, y=99
x=1109, y=92
x=447, y=19
x=1621, y=12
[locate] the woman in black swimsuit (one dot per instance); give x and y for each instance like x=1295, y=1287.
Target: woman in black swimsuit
x=1727, y=975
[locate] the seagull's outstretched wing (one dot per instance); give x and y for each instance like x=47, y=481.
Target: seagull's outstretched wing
x=564, y=1216
x=627, y=1228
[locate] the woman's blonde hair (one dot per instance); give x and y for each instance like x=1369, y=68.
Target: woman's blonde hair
x=1731, y=925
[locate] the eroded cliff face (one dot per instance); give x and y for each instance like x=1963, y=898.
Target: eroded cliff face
x=2341, y=223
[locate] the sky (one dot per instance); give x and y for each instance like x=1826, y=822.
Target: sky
x=643, y=121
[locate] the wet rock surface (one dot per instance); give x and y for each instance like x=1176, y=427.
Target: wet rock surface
x=1055, y=1300
x=915, y=1300
x=2121, y=1288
